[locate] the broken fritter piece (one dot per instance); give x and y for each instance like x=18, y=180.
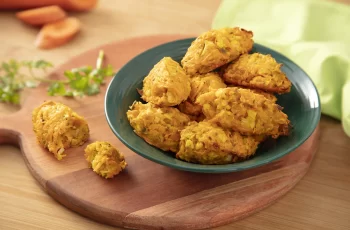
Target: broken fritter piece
x=57, y=127
x=167, y=84
x=215, y=48
x=200, y=84
x=207, y=143
x=104, y=159
x=257, y=71
x=244, y=111
x=158, y=126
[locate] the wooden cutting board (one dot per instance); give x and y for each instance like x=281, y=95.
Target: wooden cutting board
x=146, y=195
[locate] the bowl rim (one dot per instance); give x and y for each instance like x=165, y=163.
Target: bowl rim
x=210, y=168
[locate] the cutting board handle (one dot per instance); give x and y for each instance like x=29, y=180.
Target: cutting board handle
x=12, y=126
x=198, y=201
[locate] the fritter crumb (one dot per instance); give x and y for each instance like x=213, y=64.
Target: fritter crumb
x=104, y=159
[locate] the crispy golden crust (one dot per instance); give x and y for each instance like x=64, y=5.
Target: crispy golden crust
x=57, y=127
x=167, y=84
x=104, y=159
x=200, y=84
x=193, y=111
x=190, y=108
x=207, y=143
x=215, y=48
x=244, y=111
x=269, y=96
x=258, y=71
x=158, y=126
x=204, y=83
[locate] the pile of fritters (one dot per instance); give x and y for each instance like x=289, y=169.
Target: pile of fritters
x=217, y=105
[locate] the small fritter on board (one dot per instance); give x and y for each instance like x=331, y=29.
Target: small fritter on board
x=215, y=48
x=57, y=127
x=167, y=84
x=244, y=111
x=207, y=143
x=158, y=126
x=104, y=159
x=257, y=71
x=200, y=84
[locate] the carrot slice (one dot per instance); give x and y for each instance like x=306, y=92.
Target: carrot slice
x=81, y=5
x=57, y=33
x=42, y=15
x=69, y=5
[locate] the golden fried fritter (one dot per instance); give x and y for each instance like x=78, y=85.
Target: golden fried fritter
x=158, y=126
x=204, y=83
x=167, y=84
x=215, y=48
x=269, y=96
x=57, y=127
x=104, y=159
x=190, y=108
x=207, y=143
x=258, y=71
x=244, y=111
x=200, y=84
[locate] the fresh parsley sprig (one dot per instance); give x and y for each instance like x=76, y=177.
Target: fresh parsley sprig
x=17, y=75
x=82, y=81
x=13, y=79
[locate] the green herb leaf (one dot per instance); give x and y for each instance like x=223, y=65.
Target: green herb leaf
x=86, y=80
x=93, y=89
x=80, y=81
x=6, y=67
x=78, y=93
x=8, y=96
x=41, y=64
x=30, y=84
x=13, y=79
x=69, y=94
x=57, y=88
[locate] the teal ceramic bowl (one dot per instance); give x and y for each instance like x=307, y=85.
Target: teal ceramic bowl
x=302, y=106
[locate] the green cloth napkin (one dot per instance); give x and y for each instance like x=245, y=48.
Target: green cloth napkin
x=313, y=33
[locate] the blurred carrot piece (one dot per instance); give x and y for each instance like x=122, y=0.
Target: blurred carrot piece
x=57, y=33
x=42, y=15
x=68, y=5
x=81, y=5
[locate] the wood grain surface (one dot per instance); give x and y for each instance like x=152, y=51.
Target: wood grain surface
x=146, y=195
x=319, y=201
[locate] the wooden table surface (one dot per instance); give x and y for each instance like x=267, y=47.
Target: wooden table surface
x=320, y=201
